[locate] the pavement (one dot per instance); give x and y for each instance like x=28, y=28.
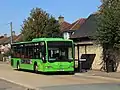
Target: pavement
x=96, y=73
x=42, y=81
x=1, y=62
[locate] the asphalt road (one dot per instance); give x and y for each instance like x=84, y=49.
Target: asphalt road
x=85, y=87
x=4, y=85
x=53, y=82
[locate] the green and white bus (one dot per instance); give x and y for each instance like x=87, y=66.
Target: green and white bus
x=44, y=54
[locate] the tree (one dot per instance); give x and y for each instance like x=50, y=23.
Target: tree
x=39, y=24
x=108, y=32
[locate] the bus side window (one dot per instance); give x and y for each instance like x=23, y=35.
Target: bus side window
x=13, y=52
x=30, y=52
x=34, y=53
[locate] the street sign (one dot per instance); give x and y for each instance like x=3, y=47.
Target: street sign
x=82, y=59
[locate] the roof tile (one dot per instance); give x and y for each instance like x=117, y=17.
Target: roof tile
x=87, y=29
x=76, y=25
x=64, y=26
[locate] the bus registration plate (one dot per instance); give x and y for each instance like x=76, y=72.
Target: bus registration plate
x=61, y=70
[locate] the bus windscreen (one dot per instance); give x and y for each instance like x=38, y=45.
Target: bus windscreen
x=60, y=51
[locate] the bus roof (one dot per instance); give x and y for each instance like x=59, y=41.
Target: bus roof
x=44, y=39
x=50, y=39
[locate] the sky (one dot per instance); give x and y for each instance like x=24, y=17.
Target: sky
x=16, y=11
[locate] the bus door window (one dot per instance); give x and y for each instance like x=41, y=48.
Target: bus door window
x=40, y=55
x=70, y=56
x=43, y=50
x=37, y=51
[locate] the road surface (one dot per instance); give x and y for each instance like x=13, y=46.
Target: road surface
x=85, y=87
x=4, y=85
x=51, y=82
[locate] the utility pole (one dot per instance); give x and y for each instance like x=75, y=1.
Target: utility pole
x=11, y=32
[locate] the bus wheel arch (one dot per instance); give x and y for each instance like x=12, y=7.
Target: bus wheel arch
x=18, y=65
x=35, y=67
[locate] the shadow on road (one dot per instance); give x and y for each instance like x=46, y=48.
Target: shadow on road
x=47, y=73
x=52, y=73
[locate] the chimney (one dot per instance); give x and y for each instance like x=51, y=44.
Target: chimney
x=5, y=35
x=61, y=19
x=13, y=33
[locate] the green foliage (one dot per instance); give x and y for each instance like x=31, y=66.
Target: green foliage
x=108, y=32
x=108, y=21
x=39, y=24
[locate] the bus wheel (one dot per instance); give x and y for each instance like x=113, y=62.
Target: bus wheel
x=18, y=66
x=35, y=68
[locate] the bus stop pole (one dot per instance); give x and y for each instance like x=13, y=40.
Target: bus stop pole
x=79, y=61
x=80, y=67
x=11, y=32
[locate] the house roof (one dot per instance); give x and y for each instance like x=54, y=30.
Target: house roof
x=9, y=39
x=87, y=29
x=2, y=40
x=76, y=25
x=19, y=38
x=64, y=26
x=6, y=40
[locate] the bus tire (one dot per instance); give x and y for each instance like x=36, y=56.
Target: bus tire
x=35, y=68
x=18, y=65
